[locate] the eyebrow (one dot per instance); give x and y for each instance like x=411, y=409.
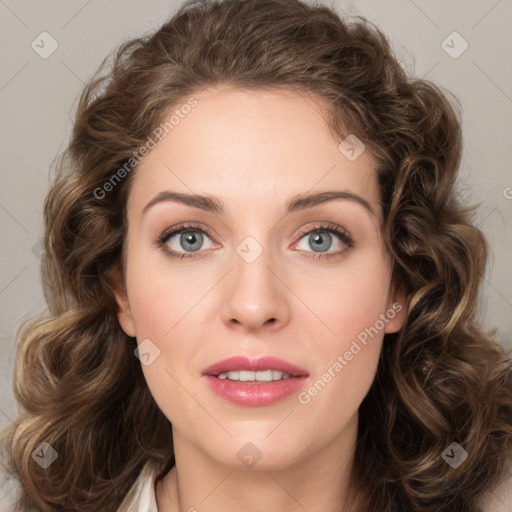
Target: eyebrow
x=296, y=203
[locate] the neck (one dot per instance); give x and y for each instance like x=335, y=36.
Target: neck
x=318, y=482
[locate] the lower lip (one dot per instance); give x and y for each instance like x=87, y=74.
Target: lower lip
x=255, y=394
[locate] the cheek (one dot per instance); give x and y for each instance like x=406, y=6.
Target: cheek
x=350, y=299
x=351, y=304
x=161, y=316
x=167, y=310
x=158, y=297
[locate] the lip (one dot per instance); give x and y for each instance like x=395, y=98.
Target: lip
x=255, y=394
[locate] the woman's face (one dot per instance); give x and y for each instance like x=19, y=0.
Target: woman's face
x=254, y=283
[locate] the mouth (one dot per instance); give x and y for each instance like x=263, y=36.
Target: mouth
x=254, y=382
x=262, y=369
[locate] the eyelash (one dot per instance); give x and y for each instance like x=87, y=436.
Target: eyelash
x=341, y=233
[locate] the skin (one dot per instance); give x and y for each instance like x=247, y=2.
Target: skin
x=255, y=150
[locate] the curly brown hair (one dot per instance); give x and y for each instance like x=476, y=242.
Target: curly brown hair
x=440, y=379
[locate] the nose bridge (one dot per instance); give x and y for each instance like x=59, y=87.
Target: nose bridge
x=255, y=294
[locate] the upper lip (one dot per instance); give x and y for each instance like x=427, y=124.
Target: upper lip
x=253, y=364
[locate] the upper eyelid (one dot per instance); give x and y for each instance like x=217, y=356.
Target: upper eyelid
x=321, y=225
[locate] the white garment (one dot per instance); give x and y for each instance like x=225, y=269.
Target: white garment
x=141, y=496
x=500, y=500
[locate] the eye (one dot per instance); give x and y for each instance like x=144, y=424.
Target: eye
x=191, y=240
x=320, y=238
x=192, y=237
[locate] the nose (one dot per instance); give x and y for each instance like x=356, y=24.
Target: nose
x=255, y=295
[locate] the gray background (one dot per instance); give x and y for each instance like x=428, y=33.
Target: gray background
x=37, y=98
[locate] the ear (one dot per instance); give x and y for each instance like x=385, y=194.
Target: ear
x=397, y=308
x=124, y=312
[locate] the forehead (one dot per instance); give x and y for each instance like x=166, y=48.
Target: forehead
x=251, y=147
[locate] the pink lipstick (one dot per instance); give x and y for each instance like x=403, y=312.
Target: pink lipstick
x=254, y=382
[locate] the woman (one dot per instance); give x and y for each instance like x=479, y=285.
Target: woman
x=261, y=284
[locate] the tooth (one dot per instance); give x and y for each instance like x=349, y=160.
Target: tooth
x=246, y=375
x=250, y=376
x=264, y=375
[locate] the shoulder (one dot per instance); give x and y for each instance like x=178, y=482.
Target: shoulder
x=141, y=496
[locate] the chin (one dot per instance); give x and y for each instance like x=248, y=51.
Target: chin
x=255, y=455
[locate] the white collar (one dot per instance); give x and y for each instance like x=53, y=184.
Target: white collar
x=141, y=496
